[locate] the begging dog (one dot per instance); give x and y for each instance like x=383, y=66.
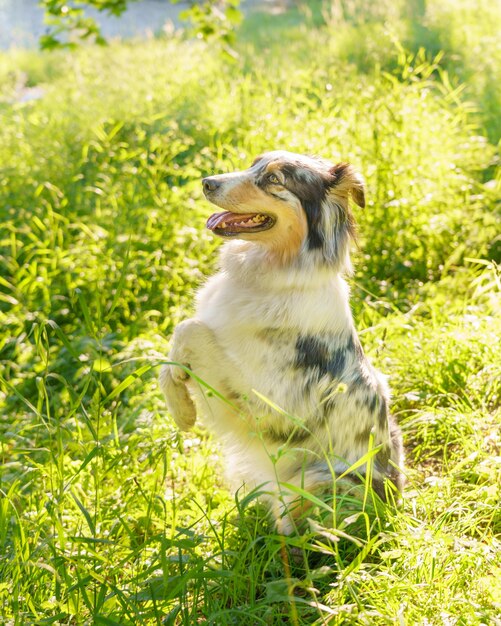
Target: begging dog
x=271, y=359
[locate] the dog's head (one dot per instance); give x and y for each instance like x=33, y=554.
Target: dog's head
x=289, y=203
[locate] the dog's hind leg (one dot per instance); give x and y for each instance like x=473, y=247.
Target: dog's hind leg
x=328, y=501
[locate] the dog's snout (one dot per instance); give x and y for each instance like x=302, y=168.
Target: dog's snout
x=210, y=184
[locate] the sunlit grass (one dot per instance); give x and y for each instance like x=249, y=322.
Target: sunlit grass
x=107, y=514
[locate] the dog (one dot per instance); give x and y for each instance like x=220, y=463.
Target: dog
x=271, y=358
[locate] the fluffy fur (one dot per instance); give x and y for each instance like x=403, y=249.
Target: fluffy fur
x=273, y=335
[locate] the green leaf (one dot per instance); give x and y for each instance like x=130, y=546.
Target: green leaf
x=85, y=513
x=127, y=382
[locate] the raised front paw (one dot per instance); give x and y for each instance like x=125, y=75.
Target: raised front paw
x=189, y=341
x=179, y=401
x=180, y=353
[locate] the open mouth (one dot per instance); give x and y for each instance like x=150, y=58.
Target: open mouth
x=228, y=224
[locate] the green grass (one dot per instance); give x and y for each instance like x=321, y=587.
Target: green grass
x=107, y=514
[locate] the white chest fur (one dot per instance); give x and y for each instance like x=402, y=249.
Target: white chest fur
x=286, y=303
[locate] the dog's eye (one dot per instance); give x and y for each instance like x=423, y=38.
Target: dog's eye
x=273, y=179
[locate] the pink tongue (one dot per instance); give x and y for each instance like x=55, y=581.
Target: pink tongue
x=227, y=216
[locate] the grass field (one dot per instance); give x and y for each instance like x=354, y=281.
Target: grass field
x=107, y=514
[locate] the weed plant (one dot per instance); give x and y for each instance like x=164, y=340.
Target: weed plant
x=107, y=514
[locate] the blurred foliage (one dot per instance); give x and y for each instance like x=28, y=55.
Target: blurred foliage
x=69, y=23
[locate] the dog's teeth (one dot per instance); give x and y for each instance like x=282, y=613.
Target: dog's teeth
x=251, y=221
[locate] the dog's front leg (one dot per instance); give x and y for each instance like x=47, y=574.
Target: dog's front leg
x=194, y=347
x=173, y=378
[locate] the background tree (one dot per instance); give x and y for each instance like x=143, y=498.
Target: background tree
x=70, y=23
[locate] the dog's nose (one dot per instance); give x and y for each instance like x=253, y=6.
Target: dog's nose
x=210, y=184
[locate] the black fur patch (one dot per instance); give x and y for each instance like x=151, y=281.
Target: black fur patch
x=313, y=353
x=362, y=437
x=310, y=187
x=293, y=435
x=337, y=172
x=372, y=403
x=382, y=414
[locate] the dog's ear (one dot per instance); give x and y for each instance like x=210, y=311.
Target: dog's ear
x=345, y=181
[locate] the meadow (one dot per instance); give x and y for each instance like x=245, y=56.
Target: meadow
x=108, y=515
